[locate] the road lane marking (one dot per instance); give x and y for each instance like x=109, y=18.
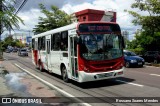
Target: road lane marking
x=53, y=86
x=155, y=75
x=130, y=83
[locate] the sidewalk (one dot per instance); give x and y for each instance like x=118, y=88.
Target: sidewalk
x=15, y=82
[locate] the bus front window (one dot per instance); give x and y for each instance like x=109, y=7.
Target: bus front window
x=100, y=46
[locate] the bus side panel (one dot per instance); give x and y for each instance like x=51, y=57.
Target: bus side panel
x=35, y=56
x=42, y=58
x=65, y=61
x=55, y=62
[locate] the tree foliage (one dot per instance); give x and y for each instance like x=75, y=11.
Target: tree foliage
x=9, y=41
x=53, y=19
x=149, y=38
x=8, y=19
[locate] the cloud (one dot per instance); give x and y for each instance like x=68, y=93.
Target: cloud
x=34, y=4
x=30, y=18
x=123, y=18
x=30, y=15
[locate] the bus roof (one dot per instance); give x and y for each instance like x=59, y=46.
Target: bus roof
x=68, y=27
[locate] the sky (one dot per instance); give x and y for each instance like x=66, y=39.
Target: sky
x=30, y=12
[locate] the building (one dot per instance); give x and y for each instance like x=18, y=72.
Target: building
x=23, y=37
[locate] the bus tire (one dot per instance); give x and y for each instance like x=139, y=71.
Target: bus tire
x=64, y=74
x=37, y=66
x=40, y=67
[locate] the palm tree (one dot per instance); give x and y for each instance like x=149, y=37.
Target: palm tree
x=8, y=19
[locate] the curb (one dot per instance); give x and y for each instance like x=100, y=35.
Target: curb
x=154, y=65
x=52, y=86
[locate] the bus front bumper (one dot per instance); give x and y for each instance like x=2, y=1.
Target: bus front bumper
x=85, y=77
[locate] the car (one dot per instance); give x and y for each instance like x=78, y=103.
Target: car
x=7, y=50
x=15, y=50
x=152, y=56
x=22, y=52
x=132, y=60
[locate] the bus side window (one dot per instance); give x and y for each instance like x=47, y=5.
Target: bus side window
x=39, y=43
x=57, y=41
x=75, y=46
x=52, y=41
x=43, y=43
x=64, y=41
x=33, y=44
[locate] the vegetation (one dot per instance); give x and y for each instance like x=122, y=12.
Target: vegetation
x=149, y=36
x=54, y=19
x=8, y=19
x=9, y=41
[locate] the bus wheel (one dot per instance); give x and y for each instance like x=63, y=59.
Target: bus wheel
x=40, y=67
x=64, y=74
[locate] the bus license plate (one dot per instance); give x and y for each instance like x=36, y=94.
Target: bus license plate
x=105, y=75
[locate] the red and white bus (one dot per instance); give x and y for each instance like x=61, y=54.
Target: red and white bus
x=84, y=51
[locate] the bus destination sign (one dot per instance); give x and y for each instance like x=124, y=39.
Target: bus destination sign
x=98, y=28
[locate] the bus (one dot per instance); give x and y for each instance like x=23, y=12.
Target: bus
x=83, y=51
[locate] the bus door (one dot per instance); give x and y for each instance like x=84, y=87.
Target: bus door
x=48, y=55
x=73, y=56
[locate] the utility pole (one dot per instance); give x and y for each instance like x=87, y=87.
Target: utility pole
x=1, y=10
x=1, y=19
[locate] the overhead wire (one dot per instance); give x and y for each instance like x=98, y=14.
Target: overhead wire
x=21, y=6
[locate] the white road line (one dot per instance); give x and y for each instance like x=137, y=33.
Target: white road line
x=130, y=83
x=155, y=75
x=51, y=85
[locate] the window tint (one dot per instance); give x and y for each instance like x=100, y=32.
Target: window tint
x=43, y=39
x=39, y=43
x=33, y=43
x=129, y=54
x=23, y=50
x=52, y=41
x=64, y=41
x=57, y=41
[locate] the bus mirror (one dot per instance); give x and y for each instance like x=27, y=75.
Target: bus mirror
x=123, y=42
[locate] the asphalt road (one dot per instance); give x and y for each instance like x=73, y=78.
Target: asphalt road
x=137, y=82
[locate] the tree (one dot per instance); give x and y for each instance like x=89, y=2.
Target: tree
x=149, y=37
x=9, y=41
x=54, y=19
x=8, y=19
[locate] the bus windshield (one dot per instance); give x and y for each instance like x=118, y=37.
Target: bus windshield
x=100, y=46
